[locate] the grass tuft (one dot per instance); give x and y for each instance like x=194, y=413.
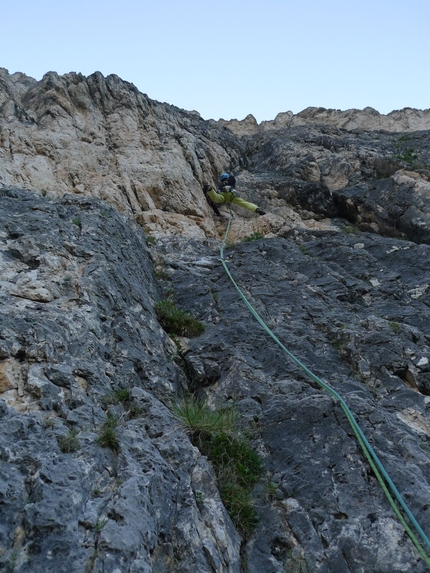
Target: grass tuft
x=69, y=443
x=236, y=463
x=238, y=504
x=253, y=237
x=408, y=156
x=119, y=395
x=123, y=396
x=198, y=419
x=177, y=321
x=351, y=229
x=108, y=437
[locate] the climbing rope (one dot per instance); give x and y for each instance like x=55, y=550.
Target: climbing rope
x=382, y=476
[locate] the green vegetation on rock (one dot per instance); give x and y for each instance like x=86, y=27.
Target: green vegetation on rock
x=237, y=465
x=177, y=321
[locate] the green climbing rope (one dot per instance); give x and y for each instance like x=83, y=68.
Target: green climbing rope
x=382, y=476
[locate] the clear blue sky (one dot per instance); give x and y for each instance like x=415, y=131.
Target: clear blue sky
x=232, y=57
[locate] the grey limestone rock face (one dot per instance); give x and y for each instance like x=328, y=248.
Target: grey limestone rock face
x=78, y=325
x=377, y=180
x=341, y=278
x=101, y=137
x=353, y=309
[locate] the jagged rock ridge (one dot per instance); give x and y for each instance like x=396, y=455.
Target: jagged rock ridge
x=368, y=119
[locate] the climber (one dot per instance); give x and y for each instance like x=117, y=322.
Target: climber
x=226, y=193
x=211, y=203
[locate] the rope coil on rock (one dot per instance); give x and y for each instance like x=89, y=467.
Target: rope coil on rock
x=382, y=476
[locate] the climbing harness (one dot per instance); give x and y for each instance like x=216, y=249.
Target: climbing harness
x=382, y=476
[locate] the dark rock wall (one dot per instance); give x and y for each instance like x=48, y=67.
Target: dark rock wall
x=379, y=180
x=78, y=325
x=354, y=309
